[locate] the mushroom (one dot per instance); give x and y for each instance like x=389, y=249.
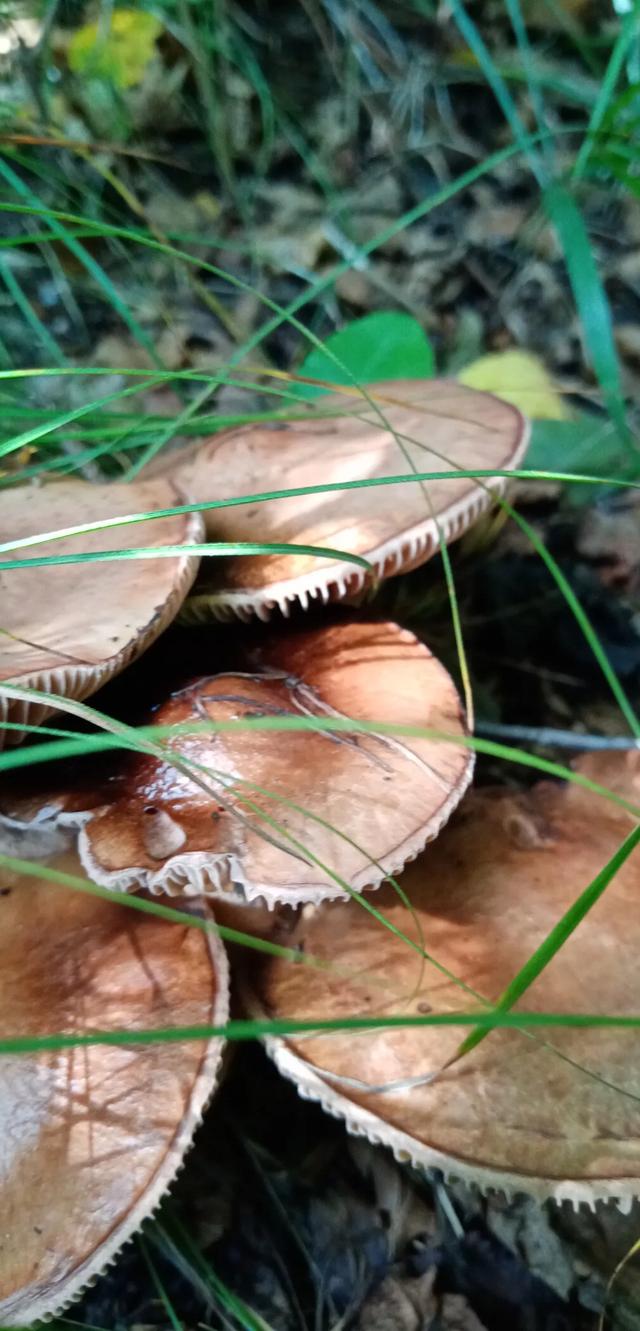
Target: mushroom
x=353, y=805
x=91, y=1137
x=555, y=1112
x=433, y=425
x=68, y=629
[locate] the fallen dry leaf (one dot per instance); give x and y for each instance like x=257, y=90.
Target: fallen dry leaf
x=520, y=378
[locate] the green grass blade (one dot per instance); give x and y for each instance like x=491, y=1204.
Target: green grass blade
x=623, y=42
x=480, y=50
x=148, y=906
x=581, y=618
x=254, y=1029
x=161, y=1292
x=172, y=1237
x=322, y=284
x=44, y=428
x=591, y=301
x=529, y=65
x=128, y=737
x=211, y=549
x=330, y=487
x=91, y=265
x=558, y=936
x=36, y=325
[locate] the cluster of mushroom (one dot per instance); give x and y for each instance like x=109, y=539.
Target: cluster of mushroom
x=271, y=825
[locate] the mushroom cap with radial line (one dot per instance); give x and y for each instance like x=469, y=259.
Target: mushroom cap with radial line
x=440, y=424
x=554, y=1112
x=91, y=1137
x=361, y=804
x=67, y=629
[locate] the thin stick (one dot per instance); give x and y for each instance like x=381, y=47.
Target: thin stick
x=562, y=739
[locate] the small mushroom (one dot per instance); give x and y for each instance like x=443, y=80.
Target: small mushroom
x=439, y=425
x=555, y=1112
x=68, y=629
x=91, y=1137
x=361, y=804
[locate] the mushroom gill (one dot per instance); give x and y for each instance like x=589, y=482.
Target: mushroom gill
x=294, y=816
x=91, y=1136
x=433, y=425
x=67, y=629
x=554, y=1112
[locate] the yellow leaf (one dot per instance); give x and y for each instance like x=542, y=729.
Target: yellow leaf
x=119, y=52
x=519, y=378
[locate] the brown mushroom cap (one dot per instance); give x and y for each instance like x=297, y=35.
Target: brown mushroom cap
x=91, y=1137
x=443, y=424
x=511, y=1114
x=68, y=629
x=388, y=795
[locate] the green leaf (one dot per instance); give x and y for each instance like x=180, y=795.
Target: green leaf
x=588, y=443
x=385, y=345
x=121, y=53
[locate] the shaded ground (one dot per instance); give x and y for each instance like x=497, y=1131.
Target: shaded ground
x=313, y=1228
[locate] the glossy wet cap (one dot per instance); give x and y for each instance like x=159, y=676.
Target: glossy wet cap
x=344, y=808
x=68, y=629
x=555, y=1113
x=423, y=425
x=91, y=1138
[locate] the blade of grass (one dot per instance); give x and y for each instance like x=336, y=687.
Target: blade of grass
x=256, y=1029
x=626, y=36
x=563, y=211
x=40, y=332
x=217, y=549
x=174, y=1320
x=558, y=936
x=330, y=487
x=12, y=760
x=479, y=49
x=197, y=772
x=66, y=417
x=591, y=301
x=529, y=65
x=147, y=906
x=172, y=1238
x=82, y=146
x=66, y=879
x=315, y=289
x=581, y=618
x=95, y=270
